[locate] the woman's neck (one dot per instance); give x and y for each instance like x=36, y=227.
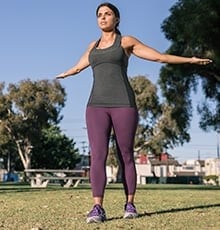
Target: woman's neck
x=108, y=36
x=106, y=40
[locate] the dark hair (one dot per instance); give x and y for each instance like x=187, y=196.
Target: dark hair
x=116, y=12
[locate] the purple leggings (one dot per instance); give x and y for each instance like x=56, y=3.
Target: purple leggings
x=99, y=123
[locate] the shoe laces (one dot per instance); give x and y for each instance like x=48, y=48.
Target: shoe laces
x=129, y=207
x=96, y=211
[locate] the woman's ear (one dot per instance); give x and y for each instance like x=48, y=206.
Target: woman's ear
x=117, y=20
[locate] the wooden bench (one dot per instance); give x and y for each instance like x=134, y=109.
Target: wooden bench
x=40, y=178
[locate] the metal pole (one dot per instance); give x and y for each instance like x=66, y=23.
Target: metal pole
x=218, y=150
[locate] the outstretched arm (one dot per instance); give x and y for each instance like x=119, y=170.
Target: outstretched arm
x=81, y=65
x=143, y=51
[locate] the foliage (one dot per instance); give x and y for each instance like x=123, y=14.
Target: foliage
x=55, y=151
x=158, y=129
x=8, y=152
x=25, y=109
x=212, y=177
x=193, y=29
x=112, y=158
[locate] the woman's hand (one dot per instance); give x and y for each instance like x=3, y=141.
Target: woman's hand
x=200, y=61
x=61, y=76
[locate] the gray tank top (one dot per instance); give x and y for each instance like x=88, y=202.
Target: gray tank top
x=111, y=87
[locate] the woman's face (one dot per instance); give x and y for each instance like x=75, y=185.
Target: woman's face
x=106, y=19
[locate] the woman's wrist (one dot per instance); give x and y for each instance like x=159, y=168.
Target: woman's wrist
x=192, y=60
x=65, y=74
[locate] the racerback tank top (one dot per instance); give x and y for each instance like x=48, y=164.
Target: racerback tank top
x=111, y=87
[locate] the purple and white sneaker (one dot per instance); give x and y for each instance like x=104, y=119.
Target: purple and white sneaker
x=130, y=211
x=96, y=215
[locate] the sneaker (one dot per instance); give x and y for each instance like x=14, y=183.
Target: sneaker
x=130, y=211
x=96, y=215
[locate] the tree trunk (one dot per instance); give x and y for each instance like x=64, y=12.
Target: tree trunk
x=25, y=156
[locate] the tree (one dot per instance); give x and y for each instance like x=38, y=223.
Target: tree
x=112, y=158
x=55, y=150
x=157, y=128
x=27, y=108
x=193, y=29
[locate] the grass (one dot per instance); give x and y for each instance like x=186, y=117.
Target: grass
x=160, y=207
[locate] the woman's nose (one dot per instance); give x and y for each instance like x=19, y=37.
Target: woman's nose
x=103, y=16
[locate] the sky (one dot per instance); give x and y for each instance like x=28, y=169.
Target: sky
x=40, y=39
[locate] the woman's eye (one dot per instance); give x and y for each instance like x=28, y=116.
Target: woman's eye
x=101, y=14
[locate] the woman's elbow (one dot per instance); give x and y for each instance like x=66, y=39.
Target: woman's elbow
x=162, y=59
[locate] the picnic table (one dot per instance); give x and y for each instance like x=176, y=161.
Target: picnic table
x=40, y=178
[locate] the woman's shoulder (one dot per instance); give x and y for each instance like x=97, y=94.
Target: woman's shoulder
x=128, y=40
x=92, y=45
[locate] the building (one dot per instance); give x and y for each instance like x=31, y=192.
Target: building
x=165, y=169
x=155, y=169
x=212, y=166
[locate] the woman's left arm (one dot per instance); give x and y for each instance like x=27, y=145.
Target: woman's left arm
x=141, y=50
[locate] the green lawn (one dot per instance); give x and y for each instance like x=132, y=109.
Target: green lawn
x=160, y=207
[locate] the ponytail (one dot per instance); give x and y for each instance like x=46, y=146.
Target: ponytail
x=117, y=30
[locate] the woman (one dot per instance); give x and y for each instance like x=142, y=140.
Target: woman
x=112, y=103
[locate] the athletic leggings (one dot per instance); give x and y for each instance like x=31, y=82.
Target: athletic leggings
x=100, y=121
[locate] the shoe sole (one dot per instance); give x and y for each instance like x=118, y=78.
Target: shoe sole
x=94, y=220
x=130, y=215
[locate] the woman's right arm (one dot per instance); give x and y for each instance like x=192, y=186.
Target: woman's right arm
x=81, y=65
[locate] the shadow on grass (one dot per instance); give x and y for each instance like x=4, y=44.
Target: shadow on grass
x=11, y=187
x=172, y=210
x=167, y=187
x=25, y=187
